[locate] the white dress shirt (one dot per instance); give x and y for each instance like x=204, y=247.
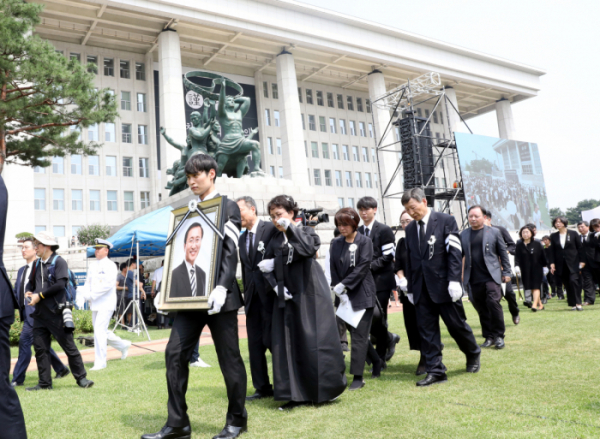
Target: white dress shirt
x=253, y=231
x=26, y=274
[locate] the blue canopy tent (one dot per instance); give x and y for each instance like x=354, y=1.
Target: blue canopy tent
x=149, y=231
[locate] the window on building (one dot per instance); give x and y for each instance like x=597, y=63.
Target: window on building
x=361, y=129
x=124, y=69
x=93, y=133
x=76, y=199
x=317, y=176
x=309, y=97
x=276, y=117
x=419, y=112
x=94, y=200
x=375, y=179
x=75, y=56
x=351, y=202
x=270, y=145
x=322, y=124
x=332, y=125
x=368, y=182
x=76, y=164
x=327, y=177
x=343, y=126
x=348, y=178
x=58, y=199
x=109, y=67
x=265, y=89
x=59, y=51
x=274, y=91
x=39, y=229
x=58, y=231
x=335, y=151
x=267, y=117
x=330, y=100
x=58, y=165
x=373, y=155
x=75, y=128
x=338, y=179
x=111, y=166
x=299, y=94
x=365, y=154
x=359, y=105
x=278, y=144
x=140, y=71
x=93, y=165
x=438, y=136
x=370, y=130
x=39, y=195
x=281, y=172
x=127, y=167
x=352, y=127
x=435, y=117
x=325, y=148
x=303, y=124
x=350, y=102
x=111, y=201
x=126, y=100
x=92, y=63
x=314, y=147
x=128, y=201
x=109, y=132
x=368, y=102
x=126, y=133
x=355, y=155
x=144, y=168
x=39, y=170
x=320, y=98
x=312, y=125
x=340, y=102
x=142, y=135
x=346, y=153
x=144, y=199
x=141, y=102
x=341, y=203
x=272, y=171
x=358, y=179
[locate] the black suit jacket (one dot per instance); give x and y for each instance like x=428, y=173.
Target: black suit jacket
x=588, y=249
x=444, y=266
x=358, y=279
x=8, y=300
x=180, y=282
x=511, y=246
x=24, y=311
x=570, y=255
x=382, y=265
x=252, y=277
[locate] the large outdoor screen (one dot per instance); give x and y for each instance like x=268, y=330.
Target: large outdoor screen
x=504, y=176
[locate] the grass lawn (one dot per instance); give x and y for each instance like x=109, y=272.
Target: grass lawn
x=544, y=384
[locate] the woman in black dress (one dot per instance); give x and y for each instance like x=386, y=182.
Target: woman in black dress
x=350, y=258
x=308, y=363
x=566, y=260
x=408, y=308
x=530, y=257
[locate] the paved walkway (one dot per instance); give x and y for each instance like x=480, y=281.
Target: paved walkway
x=144, y=347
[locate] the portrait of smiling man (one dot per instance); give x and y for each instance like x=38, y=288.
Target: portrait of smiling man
x=189, y=280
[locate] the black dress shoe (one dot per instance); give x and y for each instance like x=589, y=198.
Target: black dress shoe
x=38, y=387
x=432, y=379
x=474, y=364
x=499, y=342
x=376, y=373
x=516, y=320
x=15, y=384
x=63, y=373
x=487, y=343
x=357, y=384
x=85, y=383
x=345, y=348
x=259, y=395
x=421, y=368
x=292, y=405
x=171, y=433
x=528, y=304
x=391, y=349
x=229, y=431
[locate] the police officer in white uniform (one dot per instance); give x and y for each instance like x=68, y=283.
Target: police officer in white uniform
x=100, y=290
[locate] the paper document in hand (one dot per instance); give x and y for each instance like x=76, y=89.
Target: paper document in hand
x=348, y=315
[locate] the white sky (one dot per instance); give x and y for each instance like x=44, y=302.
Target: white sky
x=562, y=38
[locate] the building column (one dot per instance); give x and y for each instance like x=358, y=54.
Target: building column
x=172, y=104
x=387, y=160
x=152, y=129
x=451, y=118
x=506, y=123
x=292, y=136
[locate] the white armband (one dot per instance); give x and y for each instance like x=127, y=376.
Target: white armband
x=387, y=249
x=453, y=241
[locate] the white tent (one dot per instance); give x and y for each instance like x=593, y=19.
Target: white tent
x=589, y=215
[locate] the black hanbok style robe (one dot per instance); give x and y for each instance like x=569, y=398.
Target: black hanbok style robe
x=531, y=258
x=308, y=363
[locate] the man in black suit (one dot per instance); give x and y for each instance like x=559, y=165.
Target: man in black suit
x=225, y=300
x=485, y=268
x=434, y=271
x=189, y=280
x=595, y=233
x=258, y=295
x=588, y=253
x=509, y=293
x=382, y=268
x=11, y=414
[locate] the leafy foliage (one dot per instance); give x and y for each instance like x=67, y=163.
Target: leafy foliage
x=556, y=211
x=81, y=318
x=24, y=235
x=42, y=93
x=87, y=235
x=574, y=213
x=480, y=166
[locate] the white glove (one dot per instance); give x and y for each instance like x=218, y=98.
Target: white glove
x=403, y=284
x=217, y=299
x=455, y=291
x=545, y=271
x=266, y=265
x=581, y=265
x=410, y=298
x=518, y=270
x=597, y=235
x=284, y=222
x=339, y=289
x=343, y=299
x=286, y=294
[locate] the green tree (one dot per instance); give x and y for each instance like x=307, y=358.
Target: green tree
x=42, y=93
x=574, y=213
x=556, y=211
x=87, y=235
x=481, y=166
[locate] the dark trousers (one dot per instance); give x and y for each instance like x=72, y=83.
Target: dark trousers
x=195, y=353
x=45, y=327
x=186, y=332
x=25, y=343
x=11, y=415
x=428, y=316
x=511, y=299
x=487, y=296
x=572, y=286
x=258, y=325
x=341, y=325
x=410, y=323
x=379, y=326
x=360, y=343
x=587, y=281
x=555, y=285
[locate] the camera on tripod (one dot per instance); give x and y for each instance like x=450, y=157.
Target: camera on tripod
x=306, y=214
x=67, y=313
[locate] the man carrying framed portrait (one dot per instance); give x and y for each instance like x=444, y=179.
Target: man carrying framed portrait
x=216, y=305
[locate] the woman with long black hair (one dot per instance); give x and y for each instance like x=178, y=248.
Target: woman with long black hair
x=308, y=363
x=530, y=258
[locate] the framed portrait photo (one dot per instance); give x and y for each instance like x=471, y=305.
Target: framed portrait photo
x=192, y=258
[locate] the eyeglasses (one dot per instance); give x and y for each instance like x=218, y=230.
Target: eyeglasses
x=405, y=221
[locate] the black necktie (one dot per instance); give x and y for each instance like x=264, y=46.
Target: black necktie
x=421, y=236
x=250, y=244
x=367, y=231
